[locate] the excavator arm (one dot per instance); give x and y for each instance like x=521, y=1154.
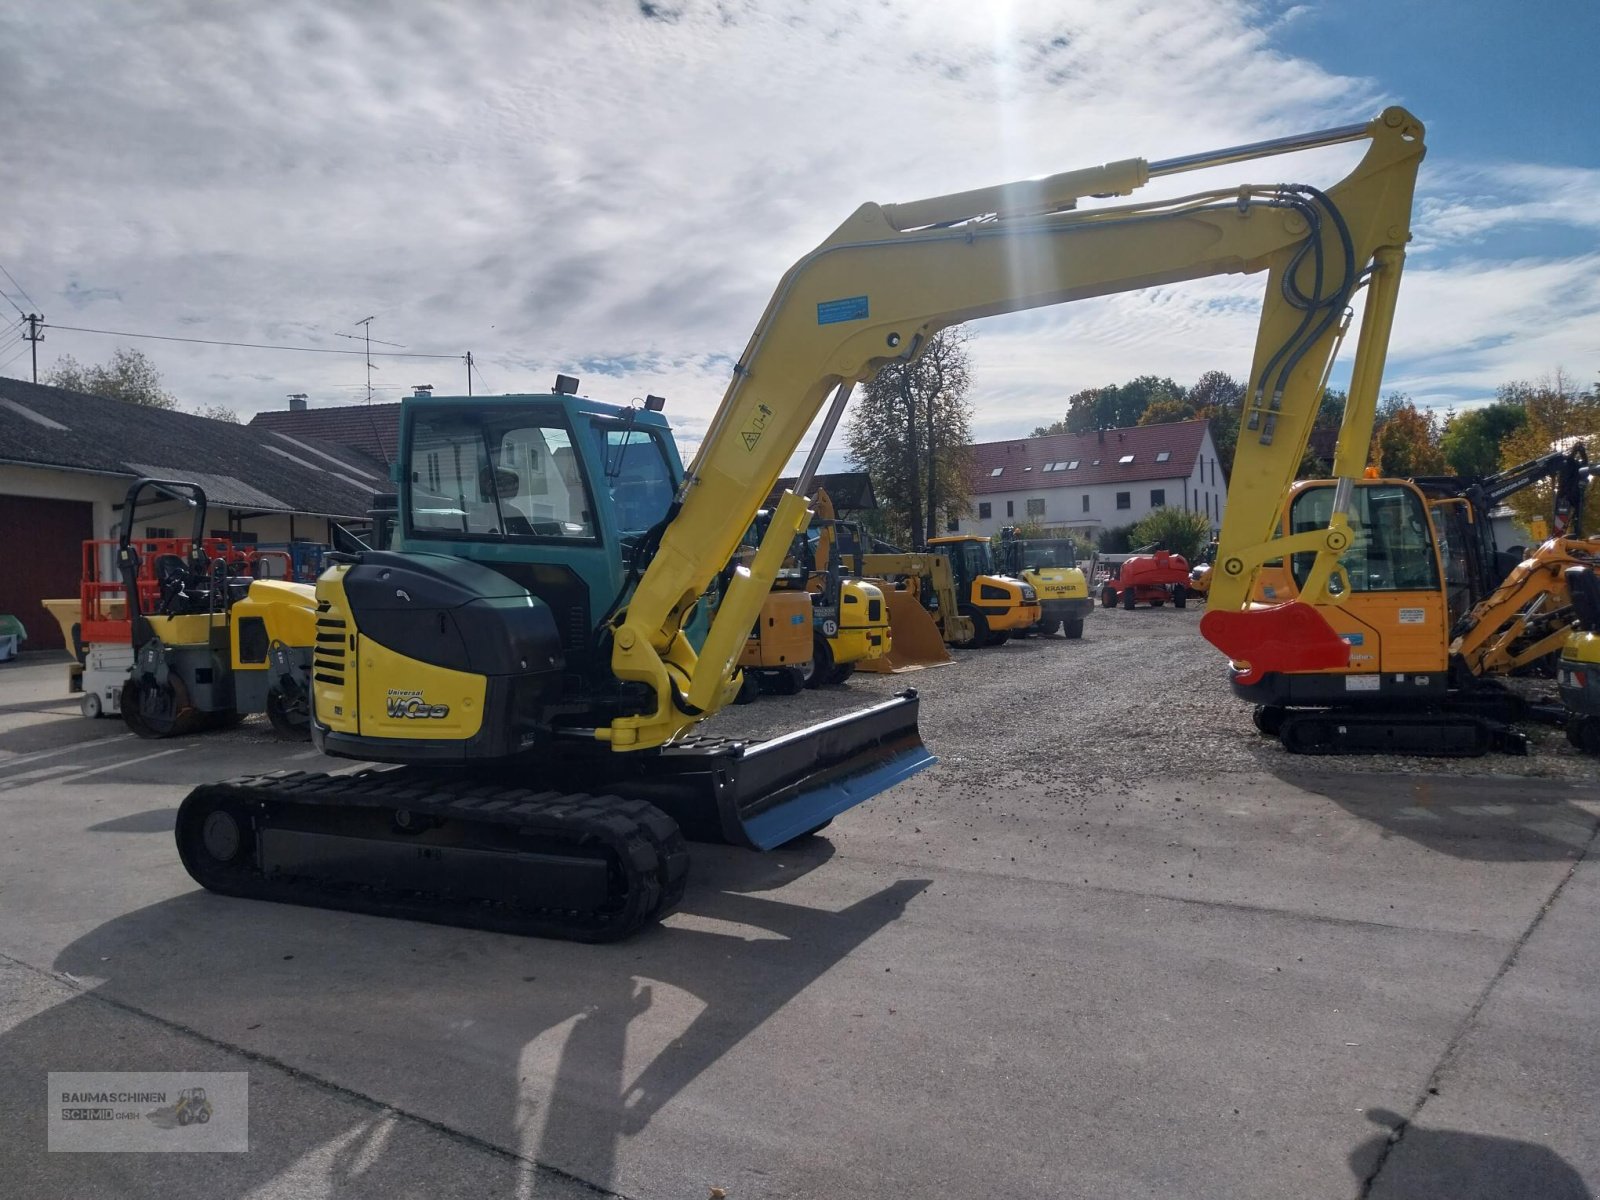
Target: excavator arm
x=892, y=276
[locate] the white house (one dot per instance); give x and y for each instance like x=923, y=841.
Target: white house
x=1093, y=481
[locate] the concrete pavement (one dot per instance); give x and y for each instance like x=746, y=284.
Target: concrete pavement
x=1235, y=985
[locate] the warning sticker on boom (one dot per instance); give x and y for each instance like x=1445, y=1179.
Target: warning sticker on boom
x=851, y=308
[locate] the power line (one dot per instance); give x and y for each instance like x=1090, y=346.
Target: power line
x=163, y=337
x=12, y=359
x=18, y=286
x=12, y=302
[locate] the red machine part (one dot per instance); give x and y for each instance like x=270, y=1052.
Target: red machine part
x=1284, y=638
x=102, y=615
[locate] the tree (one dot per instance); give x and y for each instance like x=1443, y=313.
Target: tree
x=129, y=376
x=1117, y=406
x=1114, y=540
x=911, y=432
x=1218, y=398
x=1407, y=442
x=1175, y=529
x=1557, y=413
x=217, y=412
x=1471, y=441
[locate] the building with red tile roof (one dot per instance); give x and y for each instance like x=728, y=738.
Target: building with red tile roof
x=1093, y=481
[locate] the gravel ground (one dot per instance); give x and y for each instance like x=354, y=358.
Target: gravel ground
x=1141, y=693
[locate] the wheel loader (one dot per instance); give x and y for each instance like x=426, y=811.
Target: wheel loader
x=998, y=605
x=521, y=653
x=1050, y=567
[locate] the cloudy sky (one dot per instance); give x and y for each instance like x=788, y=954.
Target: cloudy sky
x=612, y=187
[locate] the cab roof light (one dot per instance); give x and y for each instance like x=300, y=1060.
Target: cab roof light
x=655, y=403
x=566, y=385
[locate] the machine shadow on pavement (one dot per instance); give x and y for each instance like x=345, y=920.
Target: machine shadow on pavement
x=1425, y=1164
x=1480, y=819
x=441, y=1023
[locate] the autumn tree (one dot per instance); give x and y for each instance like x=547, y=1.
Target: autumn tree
x=1407, y=440
x=911, y=432
x=129, y=376
x=1557, y=415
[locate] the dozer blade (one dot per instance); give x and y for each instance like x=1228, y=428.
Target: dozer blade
x=763, y=794
x=914, y=641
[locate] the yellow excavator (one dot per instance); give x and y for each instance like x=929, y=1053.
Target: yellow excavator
x=1432, y=622
x=522, y=650
x=1578, y=672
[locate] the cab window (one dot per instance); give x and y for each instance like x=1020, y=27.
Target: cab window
x=512, y=478
x=1391, y=546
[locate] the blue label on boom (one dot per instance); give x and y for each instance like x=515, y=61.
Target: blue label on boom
x=852, y=308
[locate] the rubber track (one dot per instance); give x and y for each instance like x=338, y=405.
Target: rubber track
x=1423, y=735
x=642, y=840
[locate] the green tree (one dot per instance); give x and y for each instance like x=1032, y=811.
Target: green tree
x=1175, y=529
x=1471, y=441
x=217, y=412
x=1115, y=540
x=1557, y=415
x=1117, y=406
x=129, y=376
x=1406, y=443
x=912, y=431
x=1218, y=398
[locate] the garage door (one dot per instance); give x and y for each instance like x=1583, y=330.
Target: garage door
x=41, y=549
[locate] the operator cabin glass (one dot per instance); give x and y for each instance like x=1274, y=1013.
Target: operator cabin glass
x=516, y=477
x=1391, y=547
x=637, y=475
x=1054, y=553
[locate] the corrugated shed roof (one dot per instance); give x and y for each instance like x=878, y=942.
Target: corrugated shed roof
x=240, y=466
x=1077, y=459
x=371, y=428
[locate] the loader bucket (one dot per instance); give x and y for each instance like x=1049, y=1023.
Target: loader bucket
x=763, y=794
x=914, y=641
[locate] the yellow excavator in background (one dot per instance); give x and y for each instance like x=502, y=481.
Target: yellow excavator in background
x=1435, y=617
x=544, y=710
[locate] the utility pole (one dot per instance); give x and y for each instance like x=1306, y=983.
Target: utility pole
x=35, y=321
x=469, y=372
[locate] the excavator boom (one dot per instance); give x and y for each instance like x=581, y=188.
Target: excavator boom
x=893, y=275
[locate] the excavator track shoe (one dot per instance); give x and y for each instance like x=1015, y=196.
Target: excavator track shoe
x=1430, y=735
x=404, y=843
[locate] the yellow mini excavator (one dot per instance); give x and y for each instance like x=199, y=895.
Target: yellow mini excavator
x=521, y=648
x=1429, y=620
